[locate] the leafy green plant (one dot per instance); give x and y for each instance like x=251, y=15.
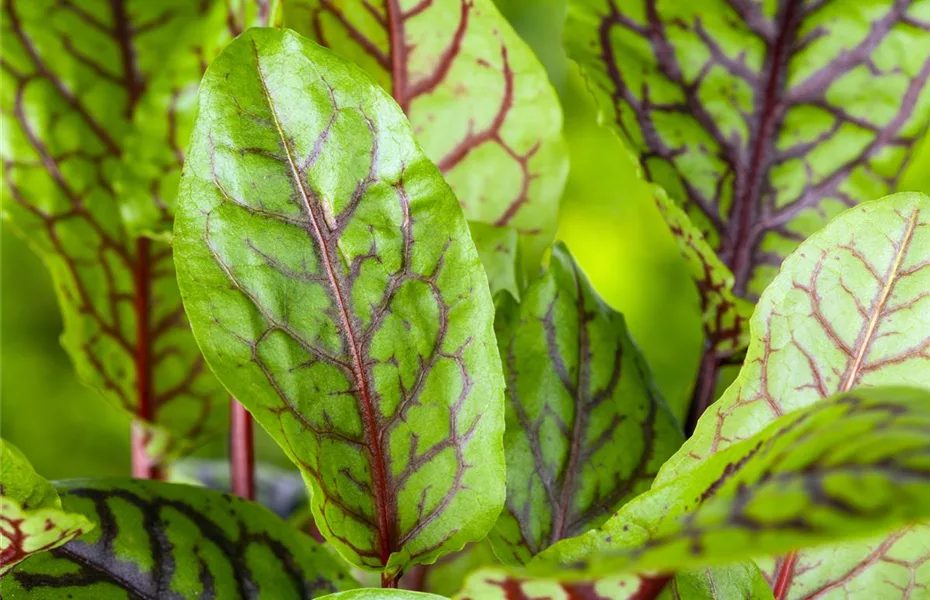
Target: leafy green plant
x=357, y=244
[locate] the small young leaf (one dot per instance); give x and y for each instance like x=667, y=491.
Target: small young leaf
x=31, y=517
x=844, y=468
x=850, y=307
x=763, y=120
x=172, y=541
x=479, y=101
x=74, y=74
x=334, y=288
x=739, y=581
x=586, y=428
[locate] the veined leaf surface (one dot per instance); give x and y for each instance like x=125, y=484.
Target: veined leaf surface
x=844, y=468
x=479, y=101
x=172, y=542
x=31, y=517
x=586, y=427
x=163, y=117
x=763, y=120
x=75, y=75
x=334, y=288
x=850, y=308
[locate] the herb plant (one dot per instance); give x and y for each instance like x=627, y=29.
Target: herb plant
x=337, y=217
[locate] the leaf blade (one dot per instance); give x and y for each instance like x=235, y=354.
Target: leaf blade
x=586, y=428
x=449, y=64
x=346, y=277
x=761, y=122
x=161, y=540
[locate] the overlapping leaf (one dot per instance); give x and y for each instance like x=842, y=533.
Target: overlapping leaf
x=844, y=468
x=78, y=76
x=499, y=250
x=586, y=428
x=740, y=581
x=851, y=307
x=163, y=117
x=31, y=517
x=763, y=120
x=334, y=288
x=504, y=584
x=381, y=594
x=172, y=541
x=479, y=100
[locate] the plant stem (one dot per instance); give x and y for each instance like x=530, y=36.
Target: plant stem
x=784, y=576
x=241, y=451
x=705, y=387
x=142, y=465
x=390, y=582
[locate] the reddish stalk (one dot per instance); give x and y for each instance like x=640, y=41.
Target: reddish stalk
x=142, y=465
x=241, y=451
x=785, y=574
x=389, y=582
x=704, y=387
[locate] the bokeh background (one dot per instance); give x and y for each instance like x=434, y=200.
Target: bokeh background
x=607, y=219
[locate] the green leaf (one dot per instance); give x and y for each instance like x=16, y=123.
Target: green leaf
x=762, y=120
x=172, y=541
x=334, y=288
x=164, y=114
x=844, y=468
x=510, y=584
x=381, y=594
x=31, y=517
x=739, y=581
x=478, y=99
x=849, y=308
x=74, y=75
x=586, y=427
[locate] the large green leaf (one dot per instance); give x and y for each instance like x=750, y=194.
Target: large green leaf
x=844, y=468
x=334, y=288
x=586, y=427
x=478, y=99
x=172, y=541
x=31, y=517
x=851, y=307
x=762, y=119
x=163, y=117
x=76, y=77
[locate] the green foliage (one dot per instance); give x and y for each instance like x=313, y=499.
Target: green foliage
x=162, y=540
x=586, y=429
x=502, y=584
x=849, y=308
x=739, y=581
x=762, y=120
x=379, y=594
x=334, y=288
x=31, y=516
x=94, y=116
x=846, y=467
x=478, y=99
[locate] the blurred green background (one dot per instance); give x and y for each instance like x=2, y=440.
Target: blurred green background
x=608, y=220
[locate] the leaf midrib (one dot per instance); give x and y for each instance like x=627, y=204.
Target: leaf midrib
x=383, y=496
x=890, y=282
